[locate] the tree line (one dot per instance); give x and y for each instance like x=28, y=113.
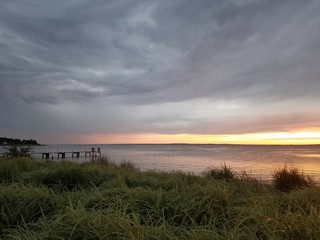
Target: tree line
x=16, y=141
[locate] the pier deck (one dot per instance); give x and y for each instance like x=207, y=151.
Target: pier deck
x=46, y=154
x=73, y=154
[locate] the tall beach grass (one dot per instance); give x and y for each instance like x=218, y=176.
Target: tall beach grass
x=102, y=200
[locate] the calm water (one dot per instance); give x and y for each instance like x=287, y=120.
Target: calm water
x=258, y=160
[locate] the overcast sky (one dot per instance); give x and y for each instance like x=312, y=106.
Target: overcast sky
x=79, y=68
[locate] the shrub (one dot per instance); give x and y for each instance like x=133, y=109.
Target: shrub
x=288, y=179
x=18, y=151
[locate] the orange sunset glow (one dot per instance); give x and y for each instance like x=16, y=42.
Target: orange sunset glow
x=277, y=138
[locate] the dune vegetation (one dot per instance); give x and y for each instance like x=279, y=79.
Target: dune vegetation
x=103, y=200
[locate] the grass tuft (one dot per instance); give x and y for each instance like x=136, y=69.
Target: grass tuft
x=127, y=165
x=287, y=179
x=223, y=173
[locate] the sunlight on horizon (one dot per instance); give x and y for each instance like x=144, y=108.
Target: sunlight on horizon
x=279, y=138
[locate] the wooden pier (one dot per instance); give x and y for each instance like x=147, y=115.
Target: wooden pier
x=73, y=154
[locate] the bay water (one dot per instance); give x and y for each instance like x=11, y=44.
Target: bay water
x=261, y=161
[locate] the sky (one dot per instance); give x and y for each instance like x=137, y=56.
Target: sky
x=171, y=71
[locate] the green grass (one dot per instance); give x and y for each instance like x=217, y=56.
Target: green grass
x=287, y=179
x=223, y=173
x=102, y=200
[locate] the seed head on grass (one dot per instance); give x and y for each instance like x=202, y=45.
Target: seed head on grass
x=287, y=179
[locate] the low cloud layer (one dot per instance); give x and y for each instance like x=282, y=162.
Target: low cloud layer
x=166, y=67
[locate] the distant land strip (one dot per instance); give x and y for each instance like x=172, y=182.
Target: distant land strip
x=15, y=141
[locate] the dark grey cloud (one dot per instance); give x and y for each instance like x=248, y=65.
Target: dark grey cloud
x=157, y=66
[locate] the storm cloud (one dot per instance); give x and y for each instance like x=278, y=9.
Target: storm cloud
x=167, y=67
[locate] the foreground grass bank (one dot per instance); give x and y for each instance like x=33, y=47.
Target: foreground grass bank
x=99, y=200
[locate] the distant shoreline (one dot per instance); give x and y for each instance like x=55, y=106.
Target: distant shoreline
x=4, y=141
x=8, y=145
x=197, y=144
